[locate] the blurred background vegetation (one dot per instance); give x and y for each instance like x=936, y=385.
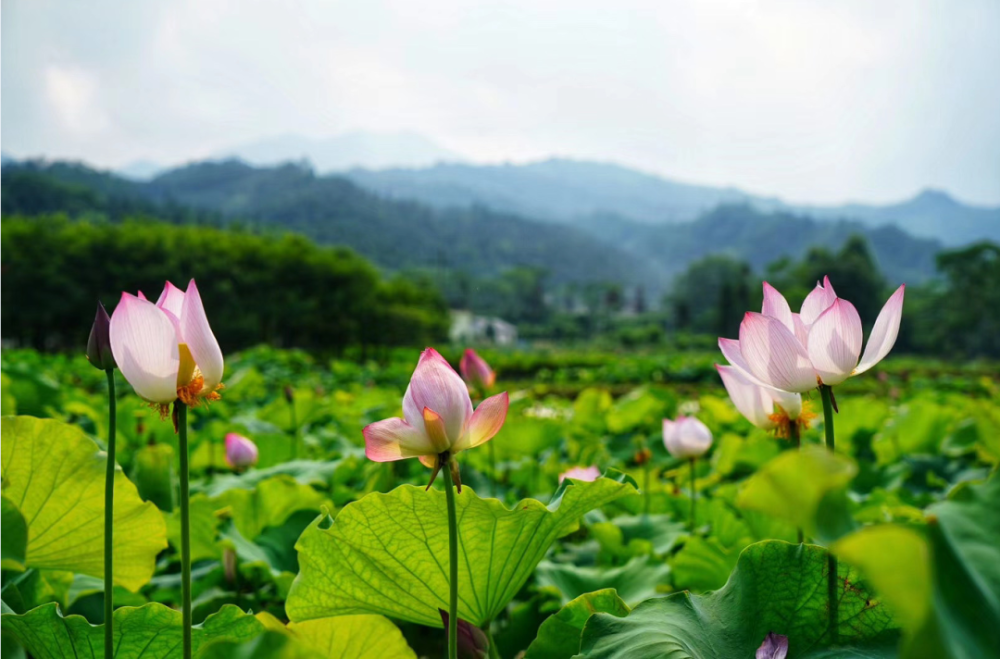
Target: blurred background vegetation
x=286, y=257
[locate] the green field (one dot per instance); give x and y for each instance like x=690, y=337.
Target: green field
x=908, y=504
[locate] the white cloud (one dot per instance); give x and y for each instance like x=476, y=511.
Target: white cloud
x=813, y=101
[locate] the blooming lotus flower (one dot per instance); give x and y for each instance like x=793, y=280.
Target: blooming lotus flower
x=819, y=345
x=587, y=474
x=241, y=453
x=99, y=344
x=438, y=420
x=475, y=371
x=167, y=350
x=764, y=407
x=686, y=438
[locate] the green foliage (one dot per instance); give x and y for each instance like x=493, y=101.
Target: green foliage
x=776, y=587
x=559, y=635
x=387, y=553
x=54, y=475
x=50, y=258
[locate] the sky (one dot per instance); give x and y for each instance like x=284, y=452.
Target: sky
x=820, y=102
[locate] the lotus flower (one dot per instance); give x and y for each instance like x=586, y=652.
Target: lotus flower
x=241, y=453
x=775, y=646
x=686, y=438
x=475, y=371
x=472, y=641
x=99, y=344
x=764, y=407
x=167, y=350
x=819, y=345
x=437, y=417
x=587, y=474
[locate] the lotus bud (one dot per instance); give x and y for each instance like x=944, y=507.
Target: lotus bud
x=99, y=345
x=472, y=641
x=476, y=372
x=587, y=474
x=241, y=453
x=686, y=438
x=775, y=646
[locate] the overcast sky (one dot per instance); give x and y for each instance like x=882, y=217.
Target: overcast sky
x=812, y=101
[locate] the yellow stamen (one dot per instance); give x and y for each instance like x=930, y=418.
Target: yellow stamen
x=783, y=423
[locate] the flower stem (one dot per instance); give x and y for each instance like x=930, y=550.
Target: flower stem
x=494, y=650
x=831, y=583
x=294, y=429
x=109, y=516
x=796, y=434
x=693, y=495
x=449, y=489
x=185, y=529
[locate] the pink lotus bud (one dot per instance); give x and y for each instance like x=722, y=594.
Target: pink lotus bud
x=437, y=417
x=588, y=474
x=241, y=453
x=475, y=371
x=686, y=438
x=99, y=344
x=472, y=641
x=775, y=646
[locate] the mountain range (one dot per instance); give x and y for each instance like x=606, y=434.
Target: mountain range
x=474, y=236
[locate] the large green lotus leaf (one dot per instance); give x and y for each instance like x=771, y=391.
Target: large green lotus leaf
x=152, y=631
x=54, y=474
x=307, y=472
x=805, y=488
x=703, y=564
x=635, y=581
x=559, y=636
x=343, y=637
x=388, y=553
x=776, y=587
x=943, y=584
x=15, y=536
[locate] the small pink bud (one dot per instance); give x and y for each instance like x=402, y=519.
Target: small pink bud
x=99, y=344
x=775, y=646
x=241, y=453
x=472, y=641
x=588, y=474
x=476, y=372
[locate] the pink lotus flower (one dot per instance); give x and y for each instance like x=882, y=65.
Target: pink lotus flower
x=686, y=438
x=762, y=406
x=167, y=350
x=819, y=345
x=475, y=371
x=437, y=417
x=241, y=453
x=587, y=474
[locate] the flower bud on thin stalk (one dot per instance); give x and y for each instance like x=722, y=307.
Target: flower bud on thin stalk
x=687, y=438
x=241, y=453
x=481, y=379
x=100, y=356
x=438, y=422
x=818, y=347
x=170, y=356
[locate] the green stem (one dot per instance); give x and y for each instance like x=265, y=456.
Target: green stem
x=449, y=488
x=831, y=582
x=109, y=517
x=693, y=495
x=645, y=489
x=796, y=434
x=294, y=430
x=185, y=529
x=493, y=469
x=494, y=650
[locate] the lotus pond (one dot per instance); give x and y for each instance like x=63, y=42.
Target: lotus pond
x=318, y=551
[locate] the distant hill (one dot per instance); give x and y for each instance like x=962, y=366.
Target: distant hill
x=568, y=191
x=399, y=234
x=345, y=151
x=140, y=170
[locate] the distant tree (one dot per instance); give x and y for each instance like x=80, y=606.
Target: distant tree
x=712, y=295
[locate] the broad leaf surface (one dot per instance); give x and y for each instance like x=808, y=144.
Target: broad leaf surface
x=635, y=581
x=15, y=536
x=776, y=587
x=54, y=474
x=388, y=553
x=152, y=631
x=559, y=636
